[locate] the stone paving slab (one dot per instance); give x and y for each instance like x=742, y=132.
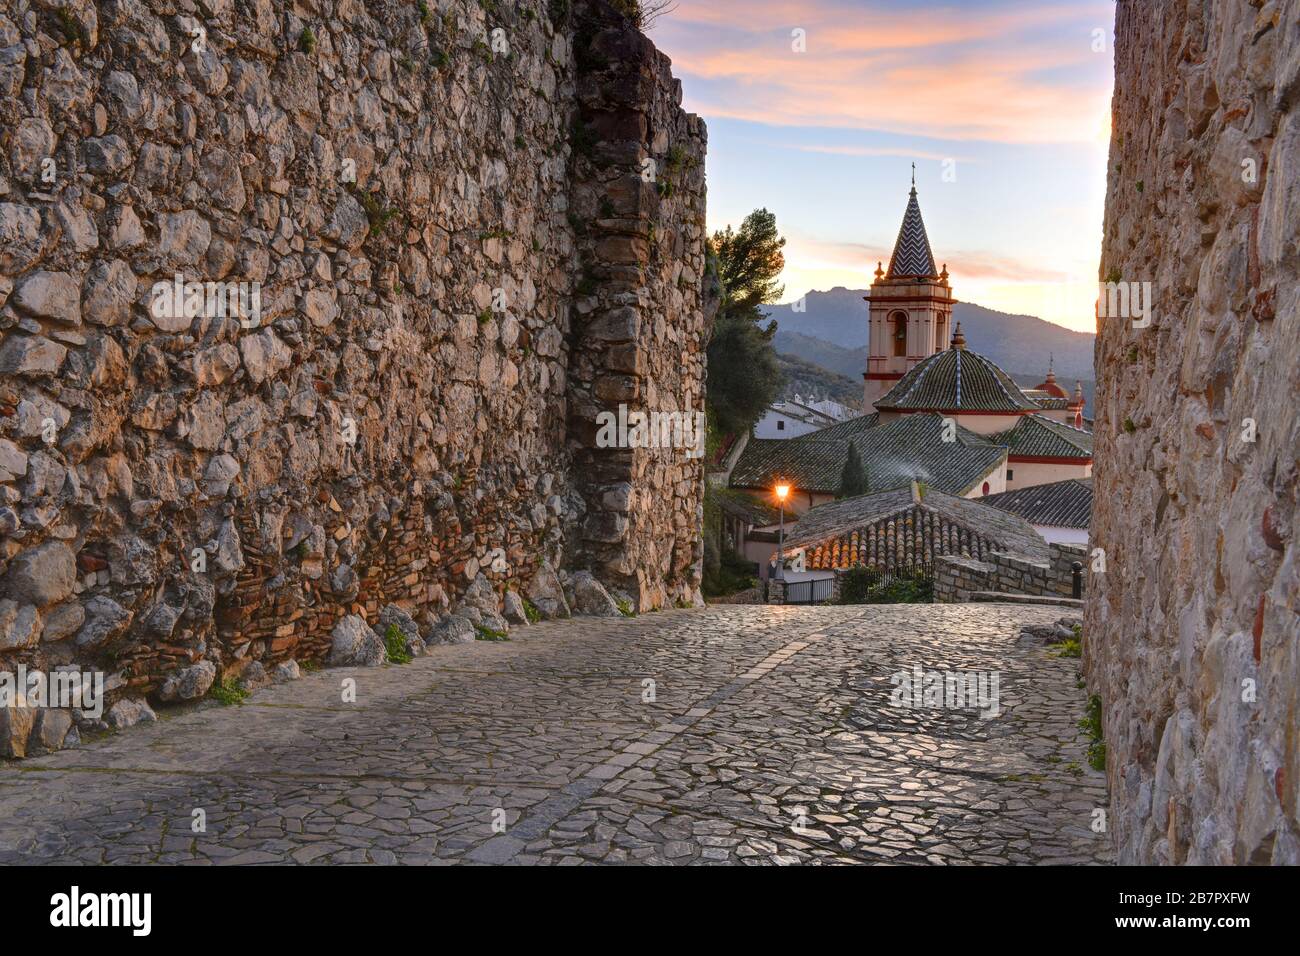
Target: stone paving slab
x=770, y=738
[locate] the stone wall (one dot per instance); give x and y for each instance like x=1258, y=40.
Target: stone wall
x=956, y=578
x=775, y=591
x=641, y=336
x=1192, y=637
x=456, y=267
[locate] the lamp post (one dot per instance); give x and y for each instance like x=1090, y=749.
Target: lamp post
x=782, y=491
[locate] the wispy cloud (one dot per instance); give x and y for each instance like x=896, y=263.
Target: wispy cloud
x=1016, y=91
x=880, y=151
x=965, y=264
x=959, y=72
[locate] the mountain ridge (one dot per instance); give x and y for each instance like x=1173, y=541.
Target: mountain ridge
x=1021, y=342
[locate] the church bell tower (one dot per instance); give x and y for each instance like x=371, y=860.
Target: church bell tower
x=910, y=308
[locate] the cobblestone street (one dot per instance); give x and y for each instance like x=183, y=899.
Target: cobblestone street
x=770, y=738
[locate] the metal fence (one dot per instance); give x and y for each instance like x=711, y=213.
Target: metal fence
x=906, y=582
x=809, y=592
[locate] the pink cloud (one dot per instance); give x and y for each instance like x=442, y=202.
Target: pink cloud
x=882, y=151
x=957, y=74
x=969, y=265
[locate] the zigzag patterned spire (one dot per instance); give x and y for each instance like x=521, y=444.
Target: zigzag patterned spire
x=912, y=255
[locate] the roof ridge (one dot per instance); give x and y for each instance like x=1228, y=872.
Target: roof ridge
x=998, y=368
x=921, y=369
x=1053, y=421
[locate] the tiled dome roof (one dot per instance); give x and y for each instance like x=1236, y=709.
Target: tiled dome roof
x=1049, y=386
x=957, y=380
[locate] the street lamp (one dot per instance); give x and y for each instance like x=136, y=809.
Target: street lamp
x=782, y=492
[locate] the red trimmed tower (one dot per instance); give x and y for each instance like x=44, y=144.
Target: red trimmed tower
x=1050, y=386
x=910, y=308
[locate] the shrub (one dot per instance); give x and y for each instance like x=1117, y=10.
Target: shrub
x=530, y=612
x=855, y=584
x=376, y=211
x=861, y=585
x=1091, y=725
x=227, y=691
x=732, y=575
x=395, y=645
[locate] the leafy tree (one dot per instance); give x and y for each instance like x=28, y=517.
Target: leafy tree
x=744, y=377
x=853, y=479
x=749, y=260
x=744, y=374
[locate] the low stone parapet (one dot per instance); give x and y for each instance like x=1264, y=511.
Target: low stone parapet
x=957, y=579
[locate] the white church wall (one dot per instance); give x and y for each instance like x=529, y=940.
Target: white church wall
x=996, y=481
x=1054, y=535
x=1026, y=474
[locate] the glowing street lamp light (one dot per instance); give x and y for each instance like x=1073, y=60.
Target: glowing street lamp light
x=782, y=492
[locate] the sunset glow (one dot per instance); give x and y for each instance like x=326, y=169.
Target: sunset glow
x=1002, y=104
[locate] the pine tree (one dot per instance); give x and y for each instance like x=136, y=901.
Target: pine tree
x=744, y=375
x=853, y=479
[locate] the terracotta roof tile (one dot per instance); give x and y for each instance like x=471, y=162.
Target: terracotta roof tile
x=1006, y=531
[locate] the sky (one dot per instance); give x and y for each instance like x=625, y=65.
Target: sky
x=1004, y=106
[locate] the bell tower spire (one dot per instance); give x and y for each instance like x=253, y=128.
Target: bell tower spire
x=910, y=306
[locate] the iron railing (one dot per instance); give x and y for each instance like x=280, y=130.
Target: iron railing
x=809, y=592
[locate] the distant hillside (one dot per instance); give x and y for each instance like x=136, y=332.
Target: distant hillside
x=1022, y=342
x=850, y=363
x=809, y=380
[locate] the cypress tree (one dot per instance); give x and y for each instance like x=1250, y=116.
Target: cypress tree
x=853, y=479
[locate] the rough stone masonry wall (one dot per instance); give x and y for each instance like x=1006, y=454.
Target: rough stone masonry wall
x=640, y=339
x=956, y=577
x=1192, y=637
x=422, y=206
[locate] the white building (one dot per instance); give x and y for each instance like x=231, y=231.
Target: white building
x=799, y=416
